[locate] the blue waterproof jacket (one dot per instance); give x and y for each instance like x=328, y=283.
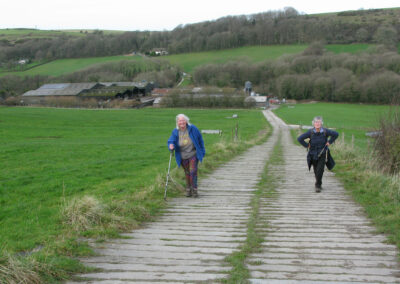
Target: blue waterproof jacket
x=197, y=140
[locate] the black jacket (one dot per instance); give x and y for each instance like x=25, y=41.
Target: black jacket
x=317, y=142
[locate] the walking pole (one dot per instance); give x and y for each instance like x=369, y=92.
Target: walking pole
x=320, y=153
x=169, y=167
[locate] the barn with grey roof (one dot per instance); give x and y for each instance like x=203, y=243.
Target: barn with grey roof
x=100, y=89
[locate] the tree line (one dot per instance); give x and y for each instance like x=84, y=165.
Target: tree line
x=370, y=77
x=287, y=26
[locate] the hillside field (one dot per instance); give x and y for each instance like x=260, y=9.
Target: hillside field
x=51, y=154
x=23, y=33
x=65, y=66
x=350, y=119
x=187, y=61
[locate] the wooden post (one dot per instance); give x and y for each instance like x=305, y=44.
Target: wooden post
x=236, y=131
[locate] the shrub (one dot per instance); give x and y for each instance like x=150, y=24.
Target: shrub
x=381, y=88
x=304, y=64
x=117, y=103
x=12, y=101
x=298, y=87
x=205, y=100
x=387, y=145
x=316, y=48
x=348, y=92
x=323, y=88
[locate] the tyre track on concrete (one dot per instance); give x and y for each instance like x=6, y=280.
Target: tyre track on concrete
x=317, y=237
x=190, y=241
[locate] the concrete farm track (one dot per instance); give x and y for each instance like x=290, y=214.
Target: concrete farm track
x=309, y=237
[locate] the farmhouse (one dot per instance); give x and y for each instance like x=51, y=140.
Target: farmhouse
x=158, y=51
x=97, y=90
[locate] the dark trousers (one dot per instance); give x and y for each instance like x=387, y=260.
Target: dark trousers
x=319, y=166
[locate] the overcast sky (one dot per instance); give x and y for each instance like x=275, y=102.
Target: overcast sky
x=158, y=15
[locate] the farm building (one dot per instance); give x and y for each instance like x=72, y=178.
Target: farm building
x=94, y=90
x=260, y=101
x=62, y=89
x=160, y=91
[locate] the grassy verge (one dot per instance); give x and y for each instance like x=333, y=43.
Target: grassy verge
x=74, y=174
x=377, y=192
x=266, y=187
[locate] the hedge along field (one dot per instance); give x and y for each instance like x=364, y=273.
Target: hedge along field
x=350, y=119
x=51, y=154
x=65, y=66
x=348, y=48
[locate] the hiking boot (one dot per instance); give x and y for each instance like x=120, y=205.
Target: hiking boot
x=318, y=188
x=195, y=193
x=188, y=192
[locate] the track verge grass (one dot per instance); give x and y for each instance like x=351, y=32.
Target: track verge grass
x=265, y=188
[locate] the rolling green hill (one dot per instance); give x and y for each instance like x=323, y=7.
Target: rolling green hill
x=188, y=61
x=14, y=35
x=65, y=66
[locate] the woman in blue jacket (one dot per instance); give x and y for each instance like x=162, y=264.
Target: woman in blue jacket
x=317, y=148
x=188, y=144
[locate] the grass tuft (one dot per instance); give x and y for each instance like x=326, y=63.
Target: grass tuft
x=82, y=213
x=13, y=270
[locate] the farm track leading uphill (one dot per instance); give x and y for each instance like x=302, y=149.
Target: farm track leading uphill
x=190, y=241
x=310, y=237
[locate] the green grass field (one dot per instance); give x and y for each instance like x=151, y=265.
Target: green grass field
x=16, y=34
x=65, y=66
x=49, y=154
x=350, y=119
x=189, y=61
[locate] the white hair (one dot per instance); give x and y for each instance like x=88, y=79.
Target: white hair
x=184, y=116
x=318, y=118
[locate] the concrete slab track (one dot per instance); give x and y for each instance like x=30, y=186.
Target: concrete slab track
x=310, y=237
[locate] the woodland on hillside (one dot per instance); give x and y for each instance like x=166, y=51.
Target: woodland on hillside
x=370, y=77
x=273, y=27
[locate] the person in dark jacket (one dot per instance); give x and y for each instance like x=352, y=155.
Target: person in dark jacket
x=319, y=140
x=188, y=144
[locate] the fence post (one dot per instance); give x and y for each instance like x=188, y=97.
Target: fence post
x=236, y=132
